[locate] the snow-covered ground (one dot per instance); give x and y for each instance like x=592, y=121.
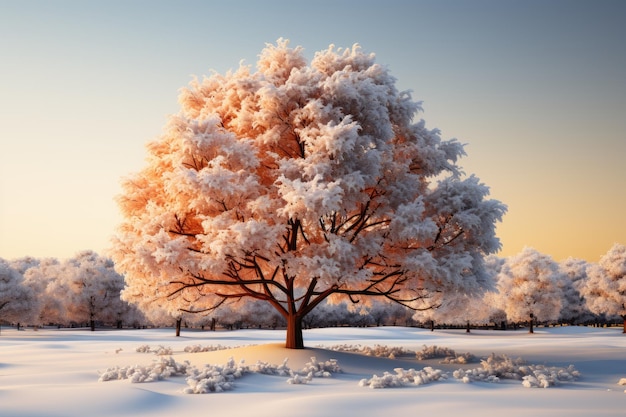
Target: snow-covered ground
x=56, y=373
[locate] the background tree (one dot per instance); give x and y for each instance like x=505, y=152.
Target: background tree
x=528, y=288
x=457, y=309
x=574, y=308
x=605, y=289
x=44, y=278
x=301, y=183
x=18, y=303
x=94, y=289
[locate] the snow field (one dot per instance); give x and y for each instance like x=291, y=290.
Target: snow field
x=55, y=373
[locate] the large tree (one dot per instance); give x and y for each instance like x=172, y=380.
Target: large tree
x=605, y=288
x=297, y=183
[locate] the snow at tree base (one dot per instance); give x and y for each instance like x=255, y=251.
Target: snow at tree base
x=297, y=183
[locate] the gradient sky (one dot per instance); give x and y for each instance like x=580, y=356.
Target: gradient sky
x=537, y=90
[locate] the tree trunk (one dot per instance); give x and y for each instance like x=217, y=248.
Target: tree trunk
x=294, y=332
x=432, y=325
x=531, y=323
x=178, y=323
x=624, y=317
x=467, y=329
x=92, y=325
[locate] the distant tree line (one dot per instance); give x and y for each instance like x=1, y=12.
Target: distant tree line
x=527, y=289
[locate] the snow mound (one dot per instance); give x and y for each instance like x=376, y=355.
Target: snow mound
x=622, y=381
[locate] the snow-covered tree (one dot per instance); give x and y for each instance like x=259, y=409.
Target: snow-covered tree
x=528, y=287
x=574, y=308
x=23, y=264
x=93, y=289
x=490, y=301
x=605, y=289
x=457, y=309
x=298, y=183
x=42, y=276
x=17, y=301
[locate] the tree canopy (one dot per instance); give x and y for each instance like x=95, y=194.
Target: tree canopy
x=529, y=287
x=298, y=183
x=605, y=291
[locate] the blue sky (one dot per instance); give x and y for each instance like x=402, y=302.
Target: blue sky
x=537, y=89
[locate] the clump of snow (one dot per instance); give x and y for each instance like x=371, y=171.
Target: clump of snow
x=266, y=368
x=448, y=355
x=299, y=379
x=379, y=351
x=206, y=348
x=158, y=350
x=158, y=370
x=404, y=377
x=622, y=381
x=427, y=352
x=214, y=378
x=315, y=369
x=321, y=369
x=497, y=367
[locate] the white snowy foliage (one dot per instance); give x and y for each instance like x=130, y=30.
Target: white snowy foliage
x=380, y=351
x=403, y=377
x=498, y=367
x=157, y=350
x=321, y=369
x=318, y=174
x=216, y=378
x=158, y=370
x=18, y=301
x=219, y=378
x=206, y=348
x=574, y=279
x=529, y=283
x=448, y=355
x=267, y=368
x=428, y=352
x=605, y=288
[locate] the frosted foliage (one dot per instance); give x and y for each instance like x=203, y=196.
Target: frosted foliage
x=605, y=289
x=92, y=288
x=299, y=182
x=42, y=277
x=574, y=280
x=497, y=367
x=217, y=378
x=457, y=309
x=404, y=377
x=528, y=283
x=17, y=301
